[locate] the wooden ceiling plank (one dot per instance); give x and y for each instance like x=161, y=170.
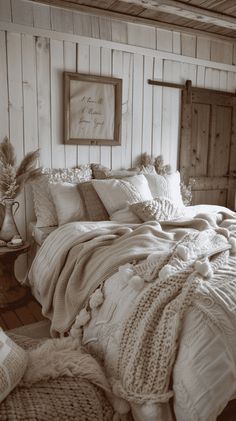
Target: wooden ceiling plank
x=135, y=19
x=188, y=11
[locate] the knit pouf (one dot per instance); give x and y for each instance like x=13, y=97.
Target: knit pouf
x=63, y=398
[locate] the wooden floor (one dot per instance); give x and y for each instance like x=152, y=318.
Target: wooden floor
x=28, y=313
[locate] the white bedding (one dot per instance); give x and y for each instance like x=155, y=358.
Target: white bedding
x=204, y=363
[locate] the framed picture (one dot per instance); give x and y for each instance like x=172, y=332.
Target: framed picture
x=92, y=109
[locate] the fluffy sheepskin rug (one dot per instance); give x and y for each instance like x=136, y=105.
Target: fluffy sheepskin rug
x=63, y=357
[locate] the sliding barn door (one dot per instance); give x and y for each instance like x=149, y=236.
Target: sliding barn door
x=208, y=145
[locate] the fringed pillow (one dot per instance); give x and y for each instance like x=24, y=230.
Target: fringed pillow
x=158, y=209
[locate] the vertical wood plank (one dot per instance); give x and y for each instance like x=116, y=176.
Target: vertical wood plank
x=144, y=36
x=221, y=52
x=176, y=43
x=200, y=76
x=95, y=26
x=94, y=69
x=127, y=93
x=157, y=108
x=44, y=99
x=83, y=67
x=117, y=71
x=57, y=65
x=106, y=71
x=5, y=10
x=42, y=16
x=119, y=31
x=203, y=48
x=105, y=28
x=137, y=107
x=231, y=82
x=188, y=43
x=16, y=128
x=223, y=80
x=171, y=114
x=4, y=117
x=22, y=12
x=70, y=66
x=62, y=20
x=82, y=24
x=147, y=106
x=30, y=113
x=164, y=40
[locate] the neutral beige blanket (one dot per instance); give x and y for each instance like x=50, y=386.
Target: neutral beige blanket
x=79, y=266
x=77, y=258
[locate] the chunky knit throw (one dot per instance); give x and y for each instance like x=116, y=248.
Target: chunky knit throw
x=150, y=335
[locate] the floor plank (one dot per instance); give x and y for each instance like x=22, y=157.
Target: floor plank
x=23, y=315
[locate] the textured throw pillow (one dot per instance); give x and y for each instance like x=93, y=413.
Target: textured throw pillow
x=95, y=210
x=68, y=202
x=43, y=204
x=13, y=362
x=158, y=209
x=166, y=186
x=116, y=195
x=100, y=172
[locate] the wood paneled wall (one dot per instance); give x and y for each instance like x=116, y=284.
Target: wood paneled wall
x=38, y=43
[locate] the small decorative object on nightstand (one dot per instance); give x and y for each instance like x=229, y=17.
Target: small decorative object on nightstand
x=12, y=294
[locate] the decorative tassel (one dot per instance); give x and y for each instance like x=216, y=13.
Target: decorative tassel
x=121, y=406
x=153, y=258
x=136, y=282
x=204, y=268
x=185, y=253
x=76, y=332
x=96, y=299
x=232, y=241
x=166, y=271
x=83, y=318
x=156, y=258
x=126, y=271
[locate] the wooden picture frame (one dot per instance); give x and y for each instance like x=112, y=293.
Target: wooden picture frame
x=92, y=109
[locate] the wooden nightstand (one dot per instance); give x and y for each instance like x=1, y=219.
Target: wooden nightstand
x=12, y=293
x=17, y=305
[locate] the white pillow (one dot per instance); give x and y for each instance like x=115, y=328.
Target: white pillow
x=116, y=195
x=166, y=186
x=68, y=202
x=13, y=362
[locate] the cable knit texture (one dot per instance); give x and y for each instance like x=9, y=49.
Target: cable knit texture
x=150, y=335
x=158, y=209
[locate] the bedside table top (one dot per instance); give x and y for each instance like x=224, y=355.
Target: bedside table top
x=15, y=250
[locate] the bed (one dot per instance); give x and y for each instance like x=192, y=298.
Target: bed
x=152, y=299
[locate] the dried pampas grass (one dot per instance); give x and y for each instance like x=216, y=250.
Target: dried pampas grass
x=13, y=179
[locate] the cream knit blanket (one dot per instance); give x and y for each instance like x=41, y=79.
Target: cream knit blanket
x=69, y=266
x=150, y=335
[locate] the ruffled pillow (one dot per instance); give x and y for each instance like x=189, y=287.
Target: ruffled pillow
x=44, y=207
x=13, y=362
x=100, y=172
x=158, y=209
